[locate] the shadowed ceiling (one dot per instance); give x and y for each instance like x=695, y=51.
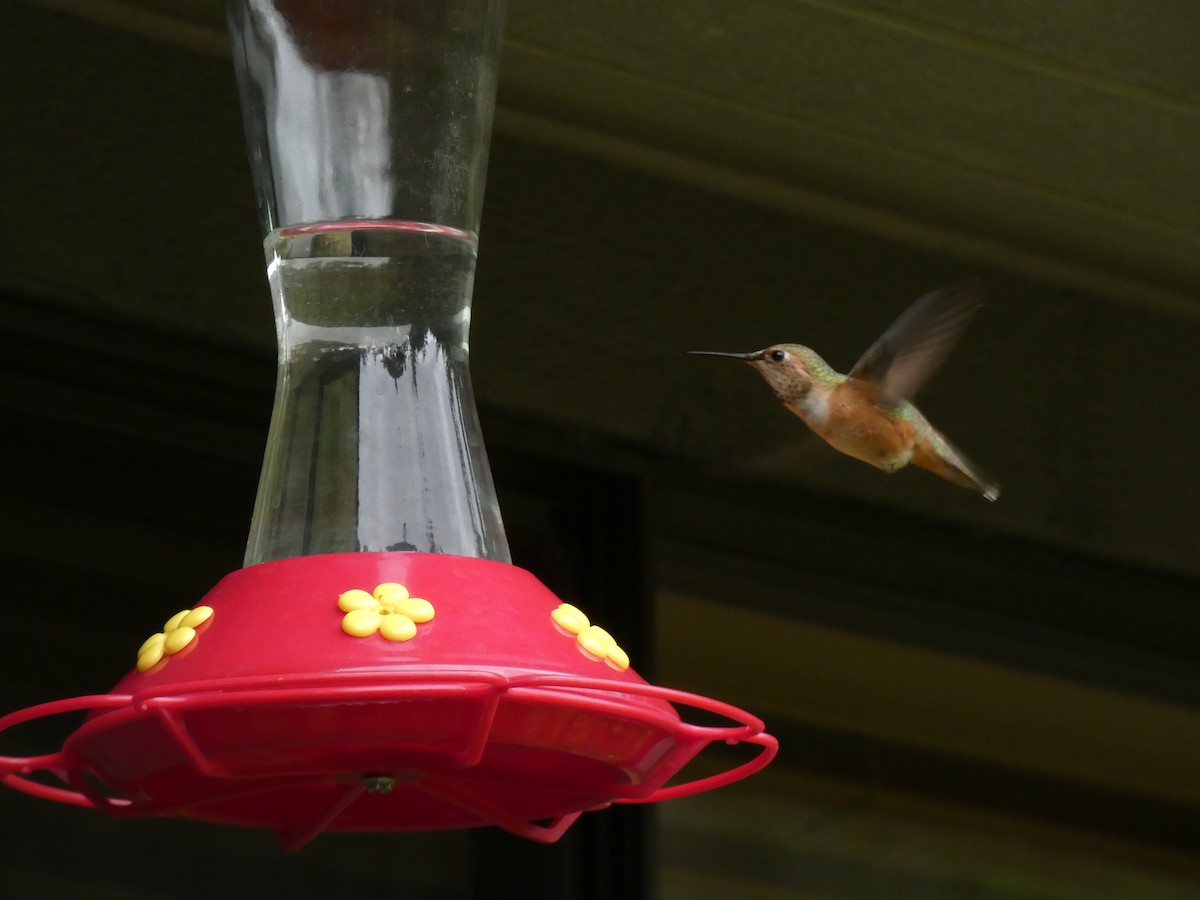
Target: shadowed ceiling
x=851, y=156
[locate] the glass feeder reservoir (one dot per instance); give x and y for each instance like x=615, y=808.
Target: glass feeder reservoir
x=368, y=127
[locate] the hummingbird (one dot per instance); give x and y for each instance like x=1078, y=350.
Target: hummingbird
x=868, y=414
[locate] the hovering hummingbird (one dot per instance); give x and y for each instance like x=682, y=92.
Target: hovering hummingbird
x=868, y=414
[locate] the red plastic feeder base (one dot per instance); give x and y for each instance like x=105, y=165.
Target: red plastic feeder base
x=380, y=692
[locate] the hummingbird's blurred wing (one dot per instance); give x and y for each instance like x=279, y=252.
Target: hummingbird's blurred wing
x=806, y=452
x=917, y=342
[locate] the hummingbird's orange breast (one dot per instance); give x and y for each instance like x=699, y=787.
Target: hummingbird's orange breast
x=849, y=419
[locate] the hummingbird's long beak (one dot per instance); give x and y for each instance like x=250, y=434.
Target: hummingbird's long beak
x=741, y=356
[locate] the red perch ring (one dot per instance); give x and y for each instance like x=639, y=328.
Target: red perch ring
x=380, y=692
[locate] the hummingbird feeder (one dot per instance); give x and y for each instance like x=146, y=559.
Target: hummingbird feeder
x=378, y=664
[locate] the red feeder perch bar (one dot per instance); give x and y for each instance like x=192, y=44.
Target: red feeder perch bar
x=379, y=665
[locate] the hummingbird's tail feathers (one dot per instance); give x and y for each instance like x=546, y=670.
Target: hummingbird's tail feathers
x=945, y=460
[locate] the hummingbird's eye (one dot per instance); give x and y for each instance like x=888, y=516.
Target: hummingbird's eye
x=777, y=356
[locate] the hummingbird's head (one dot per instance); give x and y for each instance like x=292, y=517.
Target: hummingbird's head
x=790, y=369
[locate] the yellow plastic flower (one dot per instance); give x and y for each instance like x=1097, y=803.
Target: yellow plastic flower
x=179, y=632
x=388, y=609
x=593, y=641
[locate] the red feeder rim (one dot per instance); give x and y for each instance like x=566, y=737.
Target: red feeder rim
x=304, y=695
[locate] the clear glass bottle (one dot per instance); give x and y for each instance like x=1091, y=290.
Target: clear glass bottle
x=367, y=124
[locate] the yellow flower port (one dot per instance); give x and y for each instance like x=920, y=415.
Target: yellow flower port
x=178, y=632
x=389, y=610
x=594, y=641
